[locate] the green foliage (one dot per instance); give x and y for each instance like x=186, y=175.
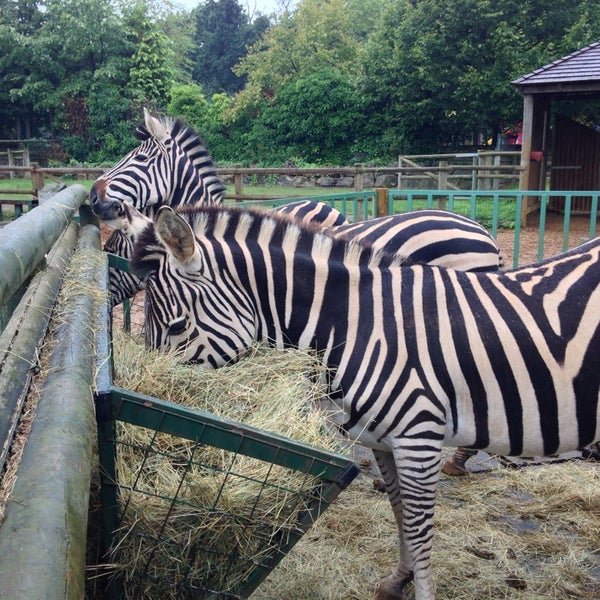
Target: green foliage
x=315, y=116
x=223, y=31
x=151, y=74
x=436, y=70
x=208, y=118
x=326, y=81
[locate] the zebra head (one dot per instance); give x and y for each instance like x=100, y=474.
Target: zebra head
x=191, y=308
x=171, y=166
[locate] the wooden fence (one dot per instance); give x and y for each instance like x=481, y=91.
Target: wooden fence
x=442, y=175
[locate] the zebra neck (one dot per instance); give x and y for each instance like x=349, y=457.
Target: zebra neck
x=306, y=310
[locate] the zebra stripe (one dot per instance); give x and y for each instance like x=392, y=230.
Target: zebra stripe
x=172, y=166
x=419, y=356
x=435, y=237
x=309, y=211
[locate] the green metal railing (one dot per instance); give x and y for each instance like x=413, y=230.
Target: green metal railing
x=326, y=475
x=469, y=203
x=356, y=206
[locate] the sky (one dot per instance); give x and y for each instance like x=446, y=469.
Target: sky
x=266, y=7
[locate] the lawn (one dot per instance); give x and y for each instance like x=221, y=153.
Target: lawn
x=484, y=208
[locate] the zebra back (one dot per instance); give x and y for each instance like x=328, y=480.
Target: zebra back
x=310, y=211
x=435, y=237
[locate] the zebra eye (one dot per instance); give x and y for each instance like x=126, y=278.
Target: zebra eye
x=177, y=326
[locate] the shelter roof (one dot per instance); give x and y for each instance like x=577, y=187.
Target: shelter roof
x=578, y=72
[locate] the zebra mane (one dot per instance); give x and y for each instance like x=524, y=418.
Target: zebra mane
x=193, y=146
x=208, y=220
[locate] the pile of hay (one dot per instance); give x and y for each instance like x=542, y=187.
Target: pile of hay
x=527, y=534
x=230, y=511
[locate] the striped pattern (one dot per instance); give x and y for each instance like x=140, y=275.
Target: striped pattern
x=171, y=166
x=435, y=237
x=309, y=211
x=418, y=356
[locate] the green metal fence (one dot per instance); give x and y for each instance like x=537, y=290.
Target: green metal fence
x=197, y=562
x=488, y=208
x=495, y=210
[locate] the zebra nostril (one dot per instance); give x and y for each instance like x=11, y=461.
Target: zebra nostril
x=93, y=197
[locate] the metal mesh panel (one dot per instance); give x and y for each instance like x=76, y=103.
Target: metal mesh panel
x=200, y=507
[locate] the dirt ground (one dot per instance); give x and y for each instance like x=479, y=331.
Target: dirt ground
x=579, y=231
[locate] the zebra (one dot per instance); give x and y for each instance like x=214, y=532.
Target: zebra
x=171, y=166
x=144, y=179
x=417, y=356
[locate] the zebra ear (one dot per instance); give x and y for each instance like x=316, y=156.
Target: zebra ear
x=157, y=130
x=176, y=234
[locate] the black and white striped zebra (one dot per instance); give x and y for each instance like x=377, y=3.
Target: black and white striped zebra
x=171, y=166
x=418, y=356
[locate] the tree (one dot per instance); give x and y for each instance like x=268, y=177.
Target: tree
x=436, y=70
x=223, y=32
x=318, y=35
x=314, y=44
x=315, y=117
x=151, y=73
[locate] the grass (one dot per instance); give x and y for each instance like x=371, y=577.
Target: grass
x=484, y=207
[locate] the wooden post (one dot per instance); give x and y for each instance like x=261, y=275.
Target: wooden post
x=443, y=175
x=358, y=177
x=37, y=179
x=238, y=179
x=536, y=110
x=400, y=163
x=442, y=183
x=382, y=202
x=49, y=502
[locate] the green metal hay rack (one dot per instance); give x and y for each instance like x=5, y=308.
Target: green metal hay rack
x=261, y=540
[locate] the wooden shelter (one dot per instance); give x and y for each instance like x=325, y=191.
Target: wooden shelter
x=575, y=156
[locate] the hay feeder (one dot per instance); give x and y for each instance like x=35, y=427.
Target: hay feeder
x=210, y=506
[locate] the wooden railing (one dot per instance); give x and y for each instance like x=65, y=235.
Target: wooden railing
x=357, y=177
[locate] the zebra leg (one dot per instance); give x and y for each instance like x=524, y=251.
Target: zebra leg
x=391, y=588
x=412, y=478
x=456, y=464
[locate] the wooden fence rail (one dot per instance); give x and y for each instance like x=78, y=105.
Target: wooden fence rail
x=362, y=176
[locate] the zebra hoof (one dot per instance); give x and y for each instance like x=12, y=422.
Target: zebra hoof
x=391, y=588
x=453, y=468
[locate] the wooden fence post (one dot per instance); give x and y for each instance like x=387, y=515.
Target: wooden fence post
x=399, y=175
x=238, y=180
x=382, y=202
x=442, y=183
x=358, y=177
x=37, y=179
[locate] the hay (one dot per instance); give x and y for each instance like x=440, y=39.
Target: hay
x=231, y=511
x=528, y=534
